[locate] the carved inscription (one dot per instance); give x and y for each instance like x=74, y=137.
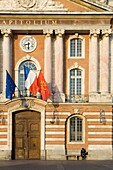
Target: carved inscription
x=52, y=22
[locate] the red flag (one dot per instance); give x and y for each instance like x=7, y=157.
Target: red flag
x=43, y=88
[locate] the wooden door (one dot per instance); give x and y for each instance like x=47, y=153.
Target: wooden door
x=26, y=135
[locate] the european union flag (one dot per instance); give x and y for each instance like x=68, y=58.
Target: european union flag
x=10, y=86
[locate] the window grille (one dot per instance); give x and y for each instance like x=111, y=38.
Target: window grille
x=75, y=82
x=76, y=133
x=76, y=47
x=21, y=78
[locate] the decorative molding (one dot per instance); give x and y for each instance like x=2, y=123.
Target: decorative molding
x=6, y=32
x=48, y=32
x=77, y=111
x=76, y=35
x=103, y=4
x=27, y=3
x=59, y=32
x=44, y=5
x=106, y=32
x=75, y=66
x=94, y=32
x=103, y=1
x=48, y=5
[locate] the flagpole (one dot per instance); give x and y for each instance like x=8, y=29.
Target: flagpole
x=19, y=91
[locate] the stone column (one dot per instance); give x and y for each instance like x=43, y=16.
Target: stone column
x=7, y=56
x=48, y=57
x=59, y=65
x=111, y=57
x=105, y=67
x=93, y=62
x=104, y=63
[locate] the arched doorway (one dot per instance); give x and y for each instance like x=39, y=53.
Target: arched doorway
x=26, y=135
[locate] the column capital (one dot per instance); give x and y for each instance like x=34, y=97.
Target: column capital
x=6, y=32
x=106, y=32
x=94, y=32
x=60, y=32
x=48, y=32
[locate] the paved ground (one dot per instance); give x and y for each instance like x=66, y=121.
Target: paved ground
x=55, y=165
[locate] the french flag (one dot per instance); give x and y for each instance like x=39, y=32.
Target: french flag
x=31, y=80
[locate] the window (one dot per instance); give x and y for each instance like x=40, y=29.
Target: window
x=21, y=80
x=76, y=132
x=76, y=47
x=75, y=82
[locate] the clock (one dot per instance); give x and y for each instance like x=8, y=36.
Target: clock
x=28, y=44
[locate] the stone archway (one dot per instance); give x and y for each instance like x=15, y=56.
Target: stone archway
x=34, y=105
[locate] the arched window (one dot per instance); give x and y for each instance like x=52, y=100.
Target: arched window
x=76, y=45
x=76, y=129
x=21, y=79
x=75, y=82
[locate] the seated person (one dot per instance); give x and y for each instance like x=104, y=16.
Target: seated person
x=83, y=153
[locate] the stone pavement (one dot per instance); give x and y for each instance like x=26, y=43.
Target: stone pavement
x=55, y=165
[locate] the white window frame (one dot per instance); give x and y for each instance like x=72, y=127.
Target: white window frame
x=75, y=77
x=76, y=66
x=83, y=47
x=83, y=130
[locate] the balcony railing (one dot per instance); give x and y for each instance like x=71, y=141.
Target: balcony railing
x=66, y=98
x=26, y=93
x=76, y=98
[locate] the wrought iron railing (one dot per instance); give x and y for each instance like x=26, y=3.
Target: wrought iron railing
x=76, y=98
x=66, y=98
x=25, y=93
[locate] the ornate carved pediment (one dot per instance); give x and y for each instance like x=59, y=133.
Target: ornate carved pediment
x=35, y=5
x=105, y=4
x=50, y=5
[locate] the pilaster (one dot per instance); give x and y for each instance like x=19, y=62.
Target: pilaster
x=48, y=56
x=111, y=65
x=93, y=65
x=59, y=96
x=7, y=55
x=104, y=63
x=105, y=67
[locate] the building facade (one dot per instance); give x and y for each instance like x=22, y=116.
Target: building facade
x=71, y=42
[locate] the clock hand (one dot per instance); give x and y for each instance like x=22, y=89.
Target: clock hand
x=28, y=45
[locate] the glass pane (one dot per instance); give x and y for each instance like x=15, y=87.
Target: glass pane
x=75, y=129
x=78, y=84
x=76, y=47
x=79, y=47
x=21, y=81
x=72, y=47
x=75, y=83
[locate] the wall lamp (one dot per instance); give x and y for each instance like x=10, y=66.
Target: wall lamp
x=102, y=116
x=55, y=118
x=3, y=119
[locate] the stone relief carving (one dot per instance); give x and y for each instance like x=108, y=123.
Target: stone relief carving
x=110, y=2
x=104, y=1
x=31, y=5
x=26, y=3
x=42, y=5
x=107, y=3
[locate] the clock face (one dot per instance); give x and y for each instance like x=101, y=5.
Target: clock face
x=28, y=44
